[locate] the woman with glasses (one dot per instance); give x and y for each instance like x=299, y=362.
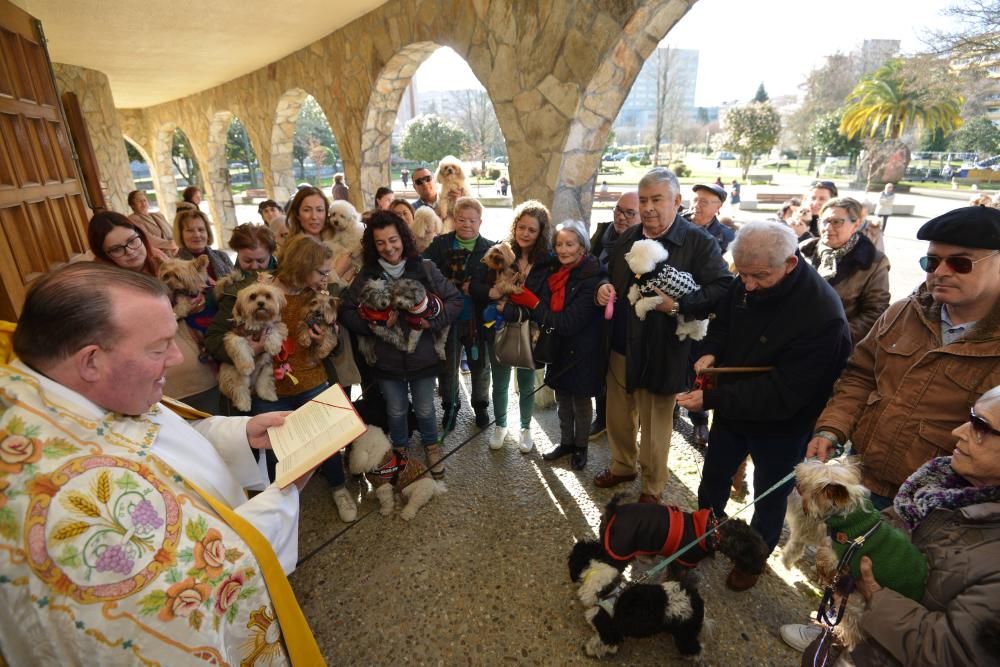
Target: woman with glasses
x=156, y=228
x=855, y=269
x=115, y=240
x=950, y=508
x=390, y=255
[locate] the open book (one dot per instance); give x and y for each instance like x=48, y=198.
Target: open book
x=314, y=433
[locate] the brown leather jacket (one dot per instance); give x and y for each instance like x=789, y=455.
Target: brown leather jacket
x=904, y=391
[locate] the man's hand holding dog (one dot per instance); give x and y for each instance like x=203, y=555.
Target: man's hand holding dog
x=666, y=304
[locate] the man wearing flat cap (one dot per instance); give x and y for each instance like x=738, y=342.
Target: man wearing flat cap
x=927, y=359
x=704, y=212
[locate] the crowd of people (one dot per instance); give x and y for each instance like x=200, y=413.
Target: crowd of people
x=800, y=304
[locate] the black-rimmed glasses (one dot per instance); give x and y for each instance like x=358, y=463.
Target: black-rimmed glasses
x=627, y=212
x=119, y=250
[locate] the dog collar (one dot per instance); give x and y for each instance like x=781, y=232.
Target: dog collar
x=393, y=468
x=372, y=314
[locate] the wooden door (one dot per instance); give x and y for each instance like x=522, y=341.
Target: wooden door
x=43, y=213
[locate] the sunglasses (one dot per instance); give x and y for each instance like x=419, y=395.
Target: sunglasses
x=958, y=264
x=980, y=426
x=422, y=180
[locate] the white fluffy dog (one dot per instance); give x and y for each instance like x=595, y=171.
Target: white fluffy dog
x=648, y=261
x=451, y=176
x=426, y=225
x=392, y=470
x=256, y=317
x=347, y=230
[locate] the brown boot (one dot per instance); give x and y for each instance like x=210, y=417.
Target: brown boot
x=433, y=457
x=740, y=581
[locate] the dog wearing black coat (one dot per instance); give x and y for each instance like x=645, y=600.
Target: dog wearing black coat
x=634, y=530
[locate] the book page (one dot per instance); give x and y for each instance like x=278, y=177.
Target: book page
x=314, y=433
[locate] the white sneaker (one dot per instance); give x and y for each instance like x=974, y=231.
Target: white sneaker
x=499, y=435
x=526, y=445
x=346, y=508
x=799, y=635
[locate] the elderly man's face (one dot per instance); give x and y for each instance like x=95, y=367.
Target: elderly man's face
x=626, y=212
x=976, y=456
x=948, y=286
x=131, y=374
x=758, y=275
x=423, y=183
x=706, y=206
x=658, y=206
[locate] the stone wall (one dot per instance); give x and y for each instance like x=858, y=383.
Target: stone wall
x=557, y=73
x=98, y=106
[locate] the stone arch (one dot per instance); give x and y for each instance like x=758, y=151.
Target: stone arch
x=600, y=102
x=286, y=115
x=380, y=115
x=154, y=170
x=218, y=185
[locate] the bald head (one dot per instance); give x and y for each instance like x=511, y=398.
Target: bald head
x=626, y=211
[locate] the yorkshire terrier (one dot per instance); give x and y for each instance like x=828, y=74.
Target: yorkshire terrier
x=256, y=317
x=320, y=312
x=830, y=500
x=500, y=259
x=187, y=279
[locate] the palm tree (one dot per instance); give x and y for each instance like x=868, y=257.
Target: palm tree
x=885, y=103
x=884, y=106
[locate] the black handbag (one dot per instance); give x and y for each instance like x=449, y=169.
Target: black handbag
x=544, y=350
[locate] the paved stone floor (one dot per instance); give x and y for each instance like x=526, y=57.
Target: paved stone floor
x=480, y=578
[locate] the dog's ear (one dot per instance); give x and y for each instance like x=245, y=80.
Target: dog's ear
x=201, y=262
x=334, y=307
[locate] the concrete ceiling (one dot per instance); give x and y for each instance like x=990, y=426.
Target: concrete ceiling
x=161, y=50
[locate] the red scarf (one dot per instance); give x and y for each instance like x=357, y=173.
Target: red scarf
x=557, y=285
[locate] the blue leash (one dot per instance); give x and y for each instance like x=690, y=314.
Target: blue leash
x=608, y=600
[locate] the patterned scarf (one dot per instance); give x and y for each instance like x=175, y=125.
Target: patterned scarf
x=936, y=485
x=557, y=284
x=827, y=258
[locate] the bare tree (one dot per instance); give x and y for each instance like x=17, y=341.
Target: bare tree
x=473, y=111
x=977, y=34
x=669, y=102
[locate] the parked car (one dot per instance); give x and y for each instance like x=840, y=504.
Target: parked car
x=725, y=155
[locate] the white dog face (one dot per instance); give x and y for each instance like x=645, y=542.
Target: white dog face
x=450, y=170
x=343, y=215
x=426, y=222
x=258, y=304
x=368, y=450
x=645, y=255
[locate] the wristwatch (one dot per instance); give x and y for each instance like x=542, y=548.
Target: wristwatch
x=675, y=309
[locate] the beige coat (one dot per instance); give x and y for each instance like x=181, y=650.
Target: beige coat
x=962, y=594
x=158, y=232
x=904, y=391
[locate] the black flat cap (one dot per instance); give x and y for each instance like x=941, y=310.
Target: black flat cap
x=969, y=227
x=713, y=188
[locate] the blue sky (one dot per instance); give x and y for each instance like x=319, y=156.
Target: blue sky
x=745, y=42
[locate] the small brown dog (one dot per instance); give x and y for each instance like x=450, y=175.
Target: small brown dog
x=500, y=259
x=257, y=318
x=426, y=225
x=451, y=176
x=319, y=312
x=187, y=279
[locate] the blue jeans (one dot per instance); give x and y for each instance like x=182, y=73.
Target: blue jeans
x=773, y=458
x=397, y=395
x=333, y=467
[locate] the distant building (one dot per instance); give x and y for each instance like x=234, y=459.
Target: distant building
x=638, y=113
x=875, y=52
x=988, y=65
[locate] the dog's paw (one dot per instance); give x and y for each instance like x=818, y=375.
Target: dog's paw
x=408, y=514
x=595, y=648
x=385, y=510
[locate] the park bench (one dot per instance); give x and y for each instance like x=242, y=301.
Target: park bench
x=765, y=198
x=760, y=179
x=250, y=195
x=610, y=195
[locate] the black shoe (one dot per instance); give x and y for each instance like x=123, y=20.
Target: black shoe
x=579, y=460
x=482, y=417
x=597, y=429
x=558, y=452
x=700, y=435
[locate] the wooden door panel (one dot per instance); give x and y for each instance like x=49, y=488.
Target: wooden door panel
x=43, y=212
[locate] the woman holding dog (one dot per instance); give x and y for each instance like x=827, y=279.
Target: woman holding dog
x=850, y=263
x=390, y=254
x=115, y=240
x=565, y=304
x=531, y=239
x=309, y=215
x=950, y=508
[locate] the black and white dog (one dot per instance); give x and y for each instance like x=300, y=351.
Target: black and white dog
x=647, y=259
x=637, y=530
